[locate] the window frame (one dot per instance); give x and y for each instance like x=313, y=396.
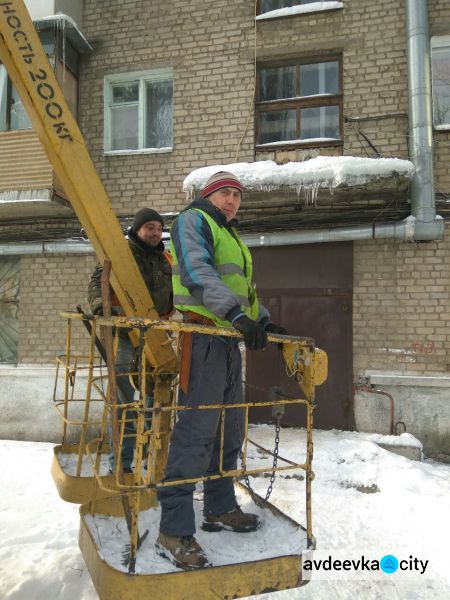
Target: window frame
x=9, y=106
x=161, y=74
x=438, y=41
x=312, y=12
x=316, y=101
x=59, y=64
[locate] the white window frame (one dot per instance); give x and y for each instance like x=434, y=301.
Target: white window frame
x=274, y=13
x=143, y=77
x=442, y=41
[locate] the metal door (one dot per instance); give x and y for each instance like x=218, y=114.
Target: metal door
x=9, y=308
x=308, y=290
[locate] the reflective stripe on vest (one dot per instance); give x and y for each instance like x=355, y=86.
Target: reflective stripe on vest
x=232, y=262
x=226, y=269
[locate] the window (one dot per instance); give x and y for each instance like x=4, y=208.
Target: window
x=12, y=111
x=299, y=102
x=440, y=57
x=269, y=5
x=139, y=111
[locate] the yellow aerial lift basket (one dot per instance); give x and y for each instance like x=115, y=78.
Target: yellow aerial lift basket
x=242, y=567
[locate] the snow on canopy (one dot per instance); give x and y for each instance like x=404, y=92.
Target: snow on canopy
x=309, y=175
x=295, y=10
x=66, y=25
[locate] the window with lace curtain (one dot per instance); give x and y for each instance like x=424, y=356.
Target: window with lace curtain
x=139, y=111
x=299, y=103
x=440, y=61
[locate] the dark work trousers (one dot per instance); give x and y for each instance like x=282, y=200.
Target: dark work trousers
x=124, y=358
x=215, y=378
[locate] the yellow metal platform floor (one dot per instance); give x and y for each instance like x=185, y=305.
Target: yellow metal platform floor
x=279, y=536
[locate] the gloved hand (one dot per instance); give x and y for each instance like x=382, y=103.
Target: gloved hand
x=255, y=337
x=272, y=328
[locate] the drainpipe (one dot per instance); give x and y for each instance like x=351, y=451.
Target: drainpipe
x=423, y=206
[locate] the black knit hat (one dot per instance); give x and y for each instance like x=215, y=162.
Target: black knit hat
x=143, y=216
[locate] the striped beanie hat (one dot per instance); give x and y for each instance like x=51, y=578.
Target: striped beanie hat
x=221, y=180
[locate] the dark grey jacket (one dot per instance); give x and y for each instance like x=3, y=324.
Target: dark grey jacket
x=155, y=270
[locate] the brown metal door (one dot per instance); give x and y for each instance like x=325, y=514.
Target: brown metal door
x=308, y=290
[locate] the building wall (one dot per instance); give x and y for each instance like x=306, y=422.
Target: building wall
x=49, y=285
x=401, y=318
x=209, y=51
x=213, y=82
x=213, y=71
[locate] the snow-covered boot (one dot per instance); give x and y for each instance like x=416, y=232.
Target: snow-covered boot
x=184, y=552
x=236, y=520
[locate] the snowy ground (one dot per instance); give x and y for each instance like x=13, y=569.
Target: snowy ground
x=366, y=500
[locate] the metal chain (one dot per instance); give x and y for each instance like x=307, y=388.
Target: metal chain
x=274, y=465
x=276, y=446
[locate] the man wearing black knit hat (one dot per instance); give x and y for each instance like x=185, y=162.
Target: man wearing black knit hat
x=154, y=262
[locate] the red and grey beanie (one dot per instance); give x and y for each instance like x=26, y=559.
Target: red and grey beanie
x=143, y=216
x=221, y=180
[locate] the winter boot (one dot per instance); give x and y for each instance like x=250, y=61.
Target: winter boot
x=184, y=552
x=235, y=520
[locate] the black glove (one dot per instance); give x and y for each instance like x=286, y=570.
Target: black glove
x=255, y=337
x=272, y=328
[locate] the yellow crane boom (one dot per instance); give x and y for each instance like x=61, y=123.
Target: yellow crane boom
x=26, y=62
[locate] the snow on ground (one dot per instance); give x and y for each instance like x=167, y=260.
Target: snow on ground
x=39, y=556
x=366, y=501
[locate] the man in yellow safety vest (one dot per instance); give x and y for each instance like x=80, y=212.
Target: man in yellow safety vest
x=212, y=284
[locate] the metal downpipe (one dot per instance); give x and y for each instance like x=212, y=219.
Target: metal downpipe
x=420, y=110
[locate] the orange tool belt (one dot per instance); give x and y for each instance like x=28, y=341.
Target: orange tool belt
x=185, y=347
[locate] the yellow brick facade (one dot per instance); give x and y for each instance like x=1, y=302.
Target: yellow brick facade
x=400, y=290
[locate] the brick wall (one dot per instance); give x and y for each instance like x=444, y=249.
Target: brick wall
x=213, y=83
x=401, y=318
x=210, y=46
x=48, y=285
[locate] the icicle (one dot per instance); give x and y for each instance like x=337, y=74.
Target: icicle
x=24, y=196
x=331, y=187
